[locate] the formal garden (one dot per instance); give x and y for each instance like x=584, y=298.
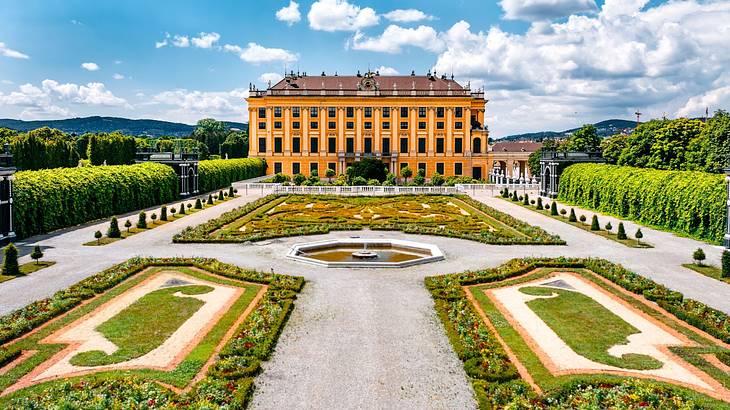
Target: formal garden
x=147, y=333
x=291, y=215
x=582, y=333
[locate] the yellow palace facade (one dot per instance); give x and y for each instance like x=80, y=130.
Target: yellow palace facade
x=307, y=123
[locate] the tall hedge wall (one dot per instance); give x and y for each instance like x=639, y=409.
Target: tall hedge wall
x=691, y=203
x=219, y=173
x=46, y=200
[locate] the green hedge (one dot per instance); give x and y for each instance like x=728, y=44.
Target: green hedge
x=219, y=173
x=46, y=200
x=690, y=203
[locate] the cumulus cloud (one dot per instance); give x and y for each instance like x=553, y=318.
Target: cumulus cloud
x=669, y=58
x=407, y=15
x=53, y=99
x=191, y=105
x=205, y=40
x=536, y=10
x=339, y=15
x=118, y=76
x=10, y=53
x=257, y=54
x=289, y=14
x=394, y=38
x=90, y=66
x=270, y=77
x=383, y=70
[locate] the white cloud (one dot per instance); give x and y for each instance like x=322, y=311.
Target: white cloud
x=205, y=40
x=668, y=58
x=118, y=76
x=383, y=70
x=289, y=14
x=160, y=44
x=407, y=15
x=90, y=66
x=180, y=41
x=257, y=54
x=394, y=38
x=536, y=10
x=270, y=77
x=339, y=15
x=191, y=105
x=7, y=52
x=53, y=99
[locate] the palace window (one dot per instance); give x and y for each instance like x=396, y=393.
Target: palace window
x=350, y=145
x=368, y=145
x=296, y=145
x=314, y=125
x=422, y=125
x=404, y=125
x=477, y=146
x=458, y=168
x=262, y=144
x=386, y=112
x=262, y=125
x=313, y=112
x=296, y=168
x=350, y=125
x=350, y=112
x=386, y=125
x=295, y=112
x=262, y=112
x=421, y=145
x=458, y=112
x=386, y=146
x=440, y=146
x=332, y=166
x=368, y=125
x=313, y=168
x=368, y=112
x=295, y=125
x=458, y=125
x=421, y=112
x=422, y=166
x=403, y=145
x=440, y=112
x=277, y=145
x=331, y=112
x=332, y=125
x=440, y=167
x=332, y=145
x=404, y=112
x=458, y=146
x=277, y=112
x=277, y=125
x=277, y=168
x=403, y=165
x=439, y=125
x=314, y=145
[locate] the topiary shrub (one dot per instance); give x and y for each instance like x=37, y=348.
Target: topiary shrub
x=572, y=217
x=98, y=235
x=10, y=261
x=163, y=213
x=230, y=191
x=621, y=231
x=609, y=226
x=526, y=200
x=142, y=221
x=563, y=212
x=113, y=231
x=128, y=224
x=725, y=264
x=210, y=199
x=37, y=254
x=198, y=204
x=182, y=209
x=539, y=202
x=638, y=235
x=554, y=209
x=699, y=256
x=594, y=224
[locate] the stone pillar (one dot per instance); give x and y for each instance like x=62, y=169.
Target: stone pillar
x=726, y=241
x=7, y=171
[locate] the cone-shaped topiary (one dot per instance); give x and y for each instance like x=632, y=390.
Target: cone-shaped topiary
x=725, y=264
x=526, y=200
x=163, y=213
x=514, y=196
x=572, y=217
x=182, y=209
x=210, y=199
x=113, y=231
x=621, y=231
x=10, y=261
x=198, y=204
x=594, y=224
x=142, y=221
x=539, y=202
x=230, y=191
x=37, y=254
x=554, y=209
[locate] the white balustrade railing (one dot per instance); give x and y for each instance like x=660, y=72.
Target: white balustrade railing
x=247, y=187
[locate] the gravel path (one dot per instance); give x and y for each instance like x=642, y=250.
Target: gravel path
x=363, y=338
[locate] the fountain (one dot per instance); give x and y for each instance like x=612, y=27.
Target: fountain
x=364, y=253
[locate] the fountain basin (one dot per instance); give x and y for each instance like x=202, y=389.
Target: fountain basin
x=365, y=253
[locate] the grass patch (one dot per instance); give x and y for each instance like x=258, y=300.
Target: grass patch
x=707, y=270
x=28, y=268
x=144, y=325
x=587, y=327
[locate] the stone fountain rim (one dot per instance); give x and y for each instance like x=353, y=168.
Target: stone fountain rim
x=435, y=253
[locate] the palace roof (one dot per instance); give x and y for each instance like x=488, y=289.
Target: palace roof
x=516, y=146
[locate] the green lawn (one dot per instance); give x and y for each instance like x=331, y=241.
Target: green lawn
x=587, y=327
x=144, y=325
x=28, y=268
x=707, y=270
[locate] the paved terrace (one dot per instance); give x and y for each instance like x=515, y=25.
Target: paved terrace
x=363, y=338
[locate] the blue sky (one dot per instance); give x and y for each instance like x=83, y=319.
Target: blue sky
x=545, y=64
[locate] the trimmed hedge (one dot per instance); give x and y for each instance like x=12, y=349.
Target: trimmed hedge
x=690, y=203
x=219, y=173
x=47, y=200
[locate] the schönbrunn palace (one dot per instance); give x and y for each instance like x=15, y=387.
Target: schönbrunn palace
x=306, y=123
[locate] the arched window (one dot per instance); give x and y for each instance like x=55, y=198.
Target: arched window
x=477, y=146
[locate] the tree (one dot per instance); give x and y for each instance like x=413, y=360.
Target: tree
x=699, y=256
x=329, y=173
x=420, y=177
x=113, y=231
x=369, y=168
x=10, y=261
x=235, y=145
x=406, y=173
x=98, y=236
x=572, y=217
x=725, y=262
x=533, y=162
x=585, y=139
x=554, y=209
x=717, y=134
x=142, y=220
x=212, y=133
x=298, y=179
x=594, y=224
x=37, y=254
x=621, y=234
x=436, y=179
x=638, y=235
x=359, y=181
x=128, y=224
x=613, y=146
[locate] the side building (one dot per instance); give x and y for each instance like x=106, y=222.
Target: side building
x=314, y=123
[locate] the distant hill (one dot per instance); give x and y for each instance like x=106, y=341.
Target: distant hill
x=604, y=128
x=152, y=128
